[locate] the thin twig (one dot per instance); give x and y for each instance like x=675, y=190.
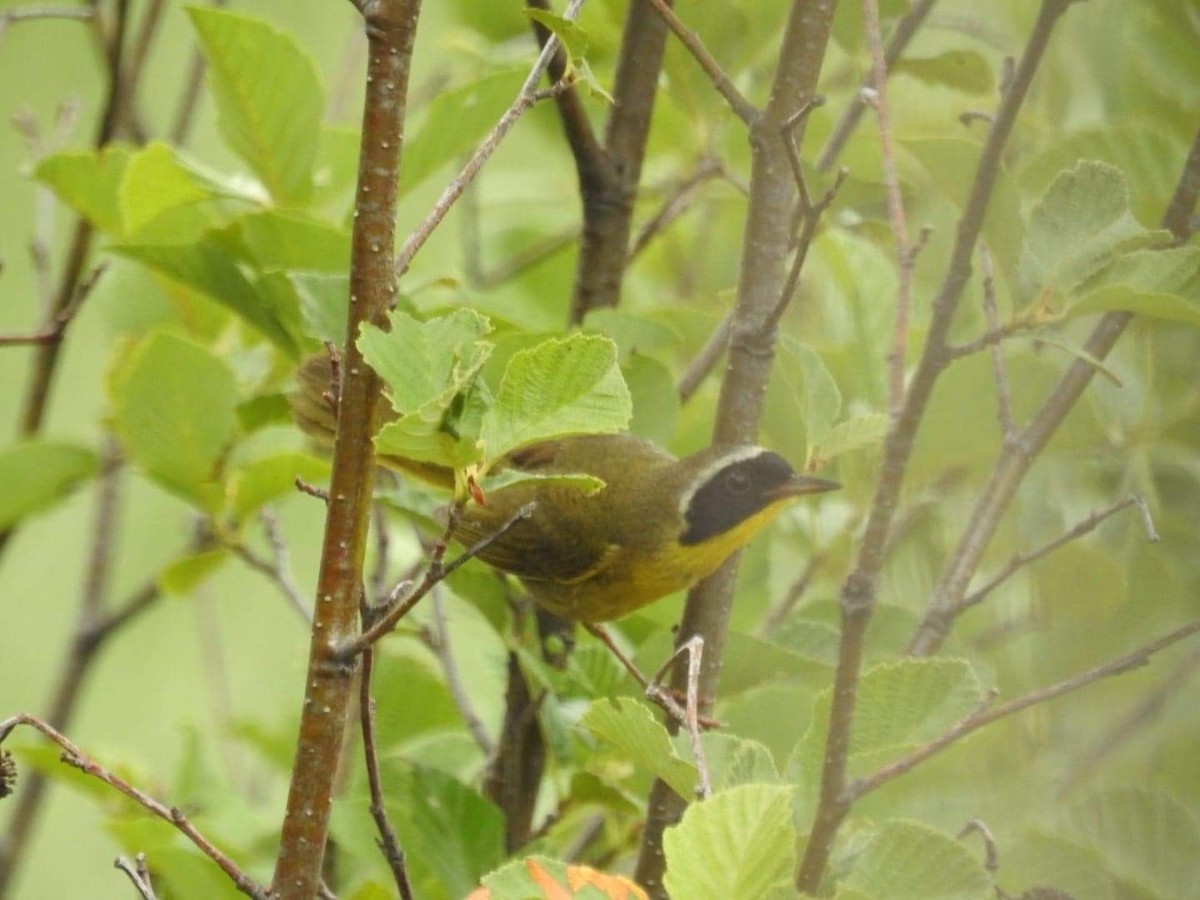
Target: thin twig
x=675, y=204
x=400, y=605
x=53, y=332
x=778, y=614
x=905, y=29
x=991, y=860
x=437, y=638
x=389, y=843
x=699, y=368
x=1018, y=562
x=1008, y=427
x=742, y=108
x=526, y=98
x=138, y=874
x=75, y=757
x=876, y=97
x=989, y=713
x=689, y=715
x=34, y=13
x=992, y=337
x=278, y=568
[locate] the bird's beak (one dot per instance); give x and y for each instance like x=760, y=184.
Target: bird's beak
x=800, y=485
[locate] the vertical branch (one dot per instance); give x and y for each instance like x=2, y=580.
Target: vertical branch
x=877, y=98
x=751, y=351
x=858, y=594
x=391, y=31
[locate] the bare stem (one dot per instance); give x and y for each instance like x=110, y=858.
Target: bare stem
x=742, y=108
x=139, y=874
x=438, y=639
x=73, y=756
x=388, y=841
x=876, y=96
x=526, y=98
x=1008, y=428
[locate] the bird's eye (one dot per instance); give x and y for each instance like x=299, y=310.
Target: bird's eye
x=737, y=482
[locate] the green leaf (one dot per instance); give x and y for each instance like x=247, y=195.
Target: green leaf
x=284, y=239
x=175, y=409
x=256, y=484
x=453, y=830
x=1147, y=838
x=185, y=574
x=573, y=38
x=89, y=183
x=38, y=474
x=563, y=386
x=268, y=96
x=738, y=843
x=655, y=398
x=207, y=267
x=852, y=434
x=1161, y=284
x=910, y=861
x=455, y=122
x=812, y=388
x=426, y=362
x=1078, y=228
x=964, y=70
x=159, y=189
x=323, y=300
x=632, y=728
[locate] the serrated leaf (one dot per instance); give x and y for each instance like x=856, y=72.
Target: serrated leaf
x=183, y=575
x=852, y=434
x=268, y=96
x=174, y=405
x=423, y=362
x=1161, y=284
x=1081, y=224
x=734, y=761
x=89, y=183
x=738, y=843
x=632, y=728
x=562, y=386
x=38, y=474
x=910, y=861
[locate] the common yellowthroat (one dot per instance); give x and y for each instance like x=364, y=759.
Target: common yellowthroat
x=659, y=524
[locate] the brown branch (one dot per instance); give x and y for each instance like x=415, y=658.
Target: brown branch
x=391, y=30
x=762, y=278
x=54, y=331
x=876, y=97
x=389, y=843
x=989, y=713
x=1008, y=427
x=37, y=13
x=742, y=108
x=858, y=596
x=527, y=96
x=73, y=756
x=905, y=29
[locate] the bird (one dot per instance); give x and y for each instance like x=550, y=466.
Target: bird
x=657, y=526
